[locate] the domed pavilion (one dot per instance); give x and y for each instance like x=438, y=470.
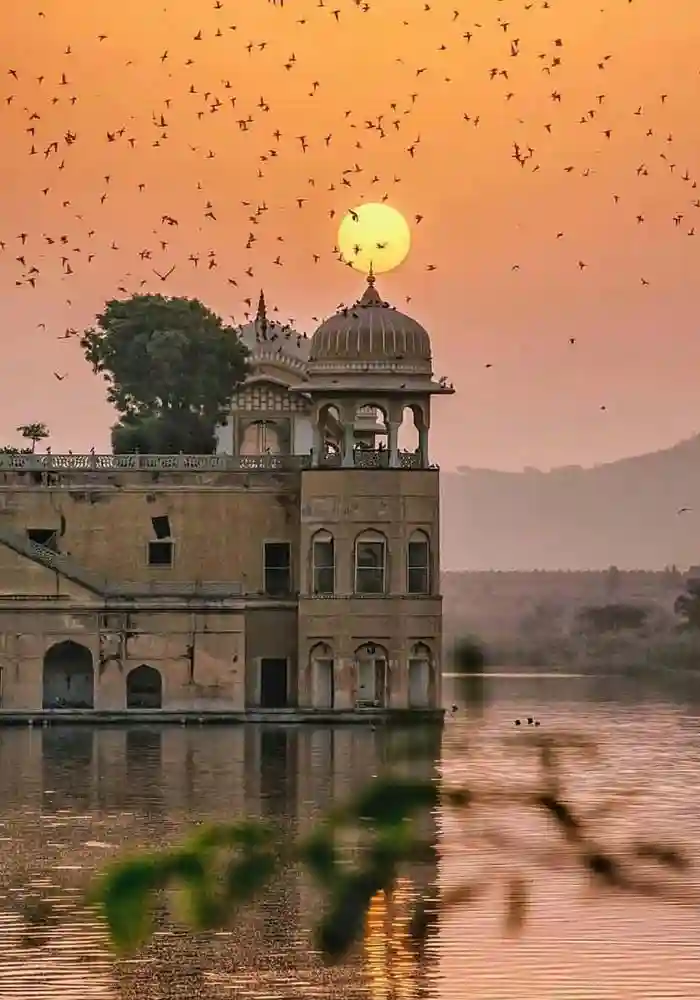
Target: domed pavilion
x=339, y=397
x=367, y=364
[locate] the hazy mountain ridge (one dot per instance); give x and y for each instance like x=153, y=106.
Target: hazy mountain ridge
x=623, y=513
x=498, y=605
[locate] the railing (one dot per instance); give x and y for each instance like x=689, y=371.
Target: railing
x=151, y=463
x=365, y=458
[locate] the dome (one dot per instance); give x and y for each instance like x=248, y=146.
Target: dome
x=266, y=339
x=371, y=330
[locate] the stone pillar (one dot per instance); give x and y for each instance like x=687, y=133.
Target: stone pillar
x=393, y=435
x=423, y=446
x=317, y=446
x=348, y=445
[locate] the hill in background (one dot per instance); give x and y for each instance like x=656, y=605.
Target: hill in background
x=624, y=513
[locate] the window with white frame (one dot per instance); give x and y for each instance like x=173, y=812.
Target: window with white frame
x=323, y=563
x=418, y=564
x=370, y=563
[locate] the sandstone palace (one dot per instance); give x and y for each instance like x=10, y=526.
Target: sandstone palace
x=294, y=573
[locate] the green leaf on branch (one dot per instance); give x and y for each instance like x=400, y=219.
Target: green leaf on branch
x=124, y=896
x=247, y=875
x=319, y=854
x=389, y=801
x=343, y=924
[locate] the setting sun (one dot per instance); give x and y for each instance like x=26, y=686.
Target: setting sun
x=374, y=234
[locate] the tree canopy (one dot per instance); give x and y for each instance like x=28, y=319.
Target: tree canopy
x=171, y=366
x=34, y=432
x=612, y=617
x=687, y=605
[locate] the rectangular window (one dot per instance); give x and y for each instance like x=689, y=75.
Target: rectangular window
x=370, y=567
x=418, y=567
x=278, y=569
x=160, y=553
x=324, y=567
x=43, y=536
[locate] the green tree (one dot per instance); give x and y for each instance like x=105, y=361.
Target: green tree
x=612, y=617
x=687, y=605
x=171, y=367
x=164, y=434
x=34, y=433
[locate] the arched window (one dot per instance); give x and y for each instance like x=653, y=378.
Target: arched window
x=370, y=563
x=323, y=563
x=418, y=563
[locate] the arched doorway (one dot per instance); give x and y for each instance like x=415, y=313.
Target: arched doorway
x=419, y=676
x=322, y=676
x=144, y=687
x=68, y=676
x=372, y=676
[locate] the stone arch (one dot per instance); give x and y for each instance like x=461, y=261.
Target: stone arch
x=371, y=562
x=409, y=429
x=144, y=687
x=264, y=436
x=372, y=665
x=322, y=666
x=413, y=433
x=68, y=676
x=329, y=431
x=371, y=421
x=322, y=557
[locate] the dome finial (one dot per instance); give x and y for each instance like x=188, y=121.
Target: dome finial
x=370, y=275
x=261, y=317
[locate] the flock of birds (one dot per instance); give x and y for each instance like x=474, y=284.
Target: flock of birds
x=182, y=116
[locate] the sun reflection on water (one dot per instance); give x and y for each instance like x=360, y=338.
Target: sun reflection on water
x=391, y=964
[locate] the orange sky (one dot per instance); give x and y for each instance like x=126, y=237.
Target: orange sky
x=637, y=351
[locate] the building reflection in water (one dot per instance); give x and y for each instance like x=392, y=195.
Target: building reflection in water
x=393, y=970
x=67, y=756
x=75, y=797
x=276, y=756
x=143, y=753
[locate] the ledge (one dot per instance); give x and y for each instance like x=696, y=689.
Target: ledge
x=278, y=716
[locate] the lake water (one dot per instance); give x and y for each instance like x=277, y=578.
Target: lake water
x=73, y=798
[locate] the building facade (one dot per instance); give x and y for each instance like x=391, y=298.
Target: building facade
x=297, y=569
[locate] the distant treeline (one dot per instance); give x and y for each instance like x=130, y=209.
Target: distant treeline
x=614, y=618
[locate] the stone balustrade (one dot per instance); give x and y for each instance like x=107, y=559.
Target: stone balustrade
x=364, y=459
x=150, y=463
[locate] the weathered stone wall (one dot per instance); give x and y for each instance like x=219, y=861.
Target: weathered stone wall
x=211, y=653
x=20, y=577
x=218, y=527
x=200, y=655
x=346, y=502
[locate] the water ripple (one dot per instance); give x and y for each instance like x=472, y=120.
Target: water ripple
x=72, y=799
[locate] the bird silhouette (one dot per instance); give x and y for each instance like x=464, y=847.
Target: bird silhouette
x=103, y=166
